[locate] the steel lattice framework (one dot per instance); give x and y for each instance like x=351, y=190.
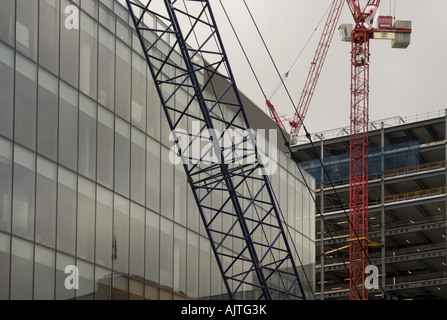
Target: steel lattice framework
x=229, y=181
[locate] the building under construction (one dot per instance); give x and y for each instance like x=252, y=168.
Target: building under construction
x=407, y=207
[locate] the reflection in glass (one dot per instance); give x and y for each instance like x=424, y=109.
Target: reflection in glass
x=88, y=57
x=137, y=167
x=104, y=210
x=152, y=246
x=87, y=137
x=21, y=270
x=25, y=102
x=106, y=72
x=26, y=28
x=123, y=78
x=23, y=193
x=153, y=175
x=68, y=126
x=46, y=195
x=7, y=25
x=86, y=220
x=120, y=244
x=66, y=211
x=137, y=214
x=139, y=68
x=47, y=119
x=49, y=35
x=6, y=88
x=69, y=50
x=5, y=185
x=166, y=253
x=105, y=147
x=44, y=268
x=122, y=157
x=62, y=261
x=4, y=266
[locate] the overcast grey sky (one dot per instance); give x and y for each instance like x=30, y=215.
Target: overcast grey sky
x=403, y=82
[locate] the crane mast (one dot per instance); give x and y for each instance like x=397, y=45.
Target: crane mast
x=229, y=182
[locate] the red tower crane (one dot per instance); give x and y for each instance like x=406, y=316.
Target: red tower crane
x=362, y=32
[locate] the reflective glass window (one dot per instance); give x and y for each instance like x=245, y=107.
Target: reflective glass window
x=66, y=211
x=153, y=174
x=120, y=235
x=137, y=167
x=68, y=126
x=105, y=147
x=87, y=137
x=166, y=252
x=23, y=193
x=62, y=261
x=4, y=266
x=69, y=49
x=123, y=80
x=153, y=109
x=204, y=267
x=26, y=28
x=104, y=210
x=137, y=220
x=46, y=203
x=192, y=271
x=152, y=260
x=49, y=35
x=139, y=68
x=21, y=270
x=5, y=185
x=88, y=72
x=167, y=184
x=106, y=69
x=86, y=220
x=86, y=281
x=122, y=156
x=44, y=268
x=6, y=88
x=179, y=258
x=7, y=21
x=47, y=115
x=25, y=102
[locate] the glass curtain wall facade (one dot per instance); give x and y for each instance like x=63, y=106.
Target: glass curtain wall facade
x=85, y=174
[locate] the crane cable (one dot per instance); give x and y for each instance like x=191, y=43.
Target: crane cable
x=312, y=144
x=286, y=75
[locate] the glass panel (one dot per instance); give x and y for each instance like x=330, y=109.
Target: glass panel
x=104, y=207
x=106, y=73
x=62, y=261
x=105, y=147
x=107, y=18
x=49, y=35
x=47, y=120
x=69, y=50
x=4, y=266
x=91, y=7
x=180, y=193
x=179, y=259
x=88, y=57
x=86, y=281
x=68, y=126
x=204, y=268
x=103, y=281
x=66, y=211
x=153, y=109
x=87, y=137
x=192, y=270
x=123, y=32
x=5, y=185
x=44, y=269
x=6, y=86
x=26, y=28
x=7, y=21
x=21, y=270
x=153, y=175
x=167, y=184
x=25, y=102
x=193, y=212
x=46, y=203
x=23, y=193
x=137, y=214
x=122, y=84
x=86, y=220
x=166, y=252
x=122, y=157
x=139, y=68
x=152, y=246
x=121, y=235
x=137, y=167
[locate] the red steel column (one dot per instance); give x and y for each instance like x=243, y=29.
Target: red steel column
x=358, y=233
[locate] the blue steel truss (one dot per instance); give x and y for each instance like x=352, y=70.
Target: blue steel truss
x=218, y=151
